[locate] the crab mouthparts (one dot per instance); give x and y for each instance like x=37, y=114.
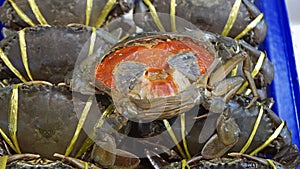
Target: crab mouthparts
x=160, y=82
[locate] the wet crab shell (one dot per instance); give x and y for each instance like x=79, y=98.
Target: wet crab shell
x=51, y=51
x=56, y=12
x=47, y=117
x=154, y=76
x=206, y=15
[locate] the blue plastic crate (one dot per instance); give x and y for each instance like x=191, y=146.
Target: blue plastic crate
x=278, y=45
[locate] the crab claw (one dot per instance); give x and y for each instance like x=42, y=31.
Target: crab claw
x=260, y=30
x=227, y=136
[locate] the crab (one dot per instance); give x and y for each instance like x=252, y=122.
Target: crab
x=161, y=75
x=20, y=14
x=237, y=160
x=48, y=53
x=43, y=123
x=255, y=132
x=235, y=18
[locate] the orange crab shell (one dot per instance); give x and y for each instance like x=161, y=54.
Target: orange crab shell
x=155, y=56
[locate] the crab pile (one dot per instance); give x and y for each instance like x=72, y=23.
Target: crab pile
x=138, y=84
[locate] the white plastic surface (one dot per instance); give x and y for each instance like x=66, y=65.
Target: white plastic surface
x=293, y=7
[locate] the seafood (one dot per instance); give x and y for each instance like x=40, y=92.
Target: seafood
x=20, y=14
x=235, y=18
x=163, y=75
x=48, y=132
x=47, y=53
x=240, y=161
x=256, y=131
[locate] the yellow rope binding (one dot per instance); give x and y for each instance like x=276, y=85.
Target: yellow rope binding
x=80, y=124
x=92, y=42
x=172, y=14
x=271, y=163
x=13, y=117
x=10, y=66
x=185, y=146
x=172, y=135
x=108, y=6
x=7, y=140
x=21, y=14
x=37, y=13
x=269, y=140
x=255, y=127
x=154, y=15
x=89, y=141
x=232, y=17
x=23, y=50
x=184, y=164
x=88, y=11
x=250, y=26
x=3, y=161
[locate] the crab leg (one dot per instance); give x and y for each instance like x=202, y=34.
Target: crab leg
x=10, y=158
x=76, y=162
x=246, y=69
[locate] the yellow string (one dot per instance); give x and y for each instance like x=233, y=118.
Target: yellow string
x=88, y=11
x=255, y=71
x=172, y=135
x=21, y=14
x=269, y=140
x=10, y=66
x=172, y=14
x=271, y=163
x=37, y=13
x=24, y=52
x=13, y=117
x=154, y=15
x=234, y=71
x=80, y=124
x=185, y=146
x=86, y=165
x=250, y=26
x=3, y=161
x=92, y=42
x=231, y=18
x=253, y=132
x=89, y=141
x=184, y=164
x=7, y=140
x=108, y=6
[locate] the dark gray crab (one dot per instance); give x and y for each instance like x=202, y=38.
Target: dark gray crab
x=256, y=131
x=32, y=122
x=161, y=75
x=48, y=52
x=239, y=161
x=206, y=15
x=20, y=14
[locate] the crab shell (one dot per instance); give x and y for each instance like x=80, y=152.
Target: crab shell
x=51, y=51
x=206, y=15
x=47, y=117
x=155, y=76
x=57, y=12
